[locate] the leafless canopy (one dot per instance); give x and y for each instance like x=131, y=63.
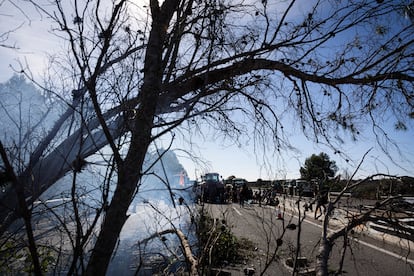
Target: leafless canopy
x=235, y=67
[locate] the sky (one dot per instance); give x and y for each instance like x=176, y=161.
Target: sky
x=34, y=43
x=245, y=163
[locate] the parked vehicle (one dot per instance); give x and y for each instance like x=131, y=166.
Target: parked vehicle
x=212, y=188
x=239, y=182
x=298, y=187
x=289, y=187
x=304, y=188
x=277, y=186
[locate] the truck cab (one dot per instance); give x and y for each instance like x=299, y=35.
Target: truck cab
x=212, y=188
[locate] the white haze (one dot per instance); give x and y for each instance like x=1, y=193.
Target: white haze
x=27, y=114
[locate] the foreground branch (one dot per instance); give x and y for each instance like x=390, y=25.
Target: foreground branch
x=189, y=257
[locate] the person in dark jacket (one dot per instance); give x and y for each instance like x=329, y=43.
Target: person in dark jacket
x=244, y=194
x=321, y=201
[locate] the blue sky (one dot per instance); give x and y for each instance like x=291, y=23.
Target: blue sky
x=35, y=43
x=246, y=163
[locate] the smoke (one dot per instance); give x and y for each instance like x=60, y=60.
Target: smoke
x=164, y=194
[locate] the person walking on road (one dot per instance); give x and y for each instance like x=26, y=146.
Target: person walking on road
x=321, y=201
x=243, y=195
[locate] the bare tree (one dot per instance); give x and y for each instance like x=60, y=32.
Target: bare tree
x=149, y=71
x=352, y=217
x=5, y=34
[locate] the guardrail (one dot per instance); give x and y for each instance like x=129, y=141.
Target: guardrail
x=384, y=227
x=338, y=193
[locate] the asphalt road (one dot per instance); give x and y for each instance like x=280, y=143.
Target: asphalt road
x=365, y=255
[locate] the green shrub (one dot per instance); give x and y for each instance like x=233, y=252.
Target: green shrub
x=218, y=245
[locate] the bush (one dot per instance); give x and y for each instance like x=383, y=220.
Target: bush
x=218, y=245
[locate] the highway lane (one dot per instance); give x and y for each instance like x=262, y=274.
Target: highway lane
x=364, y=256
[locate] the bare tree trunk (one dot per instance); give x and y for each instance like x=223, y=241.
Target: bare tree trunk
x=129, y=174
x=325, y=247
x=23, y=210
x=129, y=170
x=114, y=220
x=47, y=171
x=323, y=257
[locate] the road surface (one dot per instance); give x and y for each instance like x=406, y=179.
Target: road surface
x=364, y=256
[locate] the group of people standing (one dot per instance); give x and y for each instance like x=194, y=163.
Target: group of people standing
x=242, y=194
x=238, y=194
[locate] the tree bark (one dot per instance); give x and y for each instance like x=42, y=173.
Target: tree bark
x=323, y=257
x=114, y=220
x=129, y=174
x=23, y=210
x=129, y=170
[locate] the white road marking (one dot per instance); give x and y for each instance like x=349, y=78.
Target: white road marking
x=354, y=239
x=385, y=251
x=366, y=244
x=237, y=211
